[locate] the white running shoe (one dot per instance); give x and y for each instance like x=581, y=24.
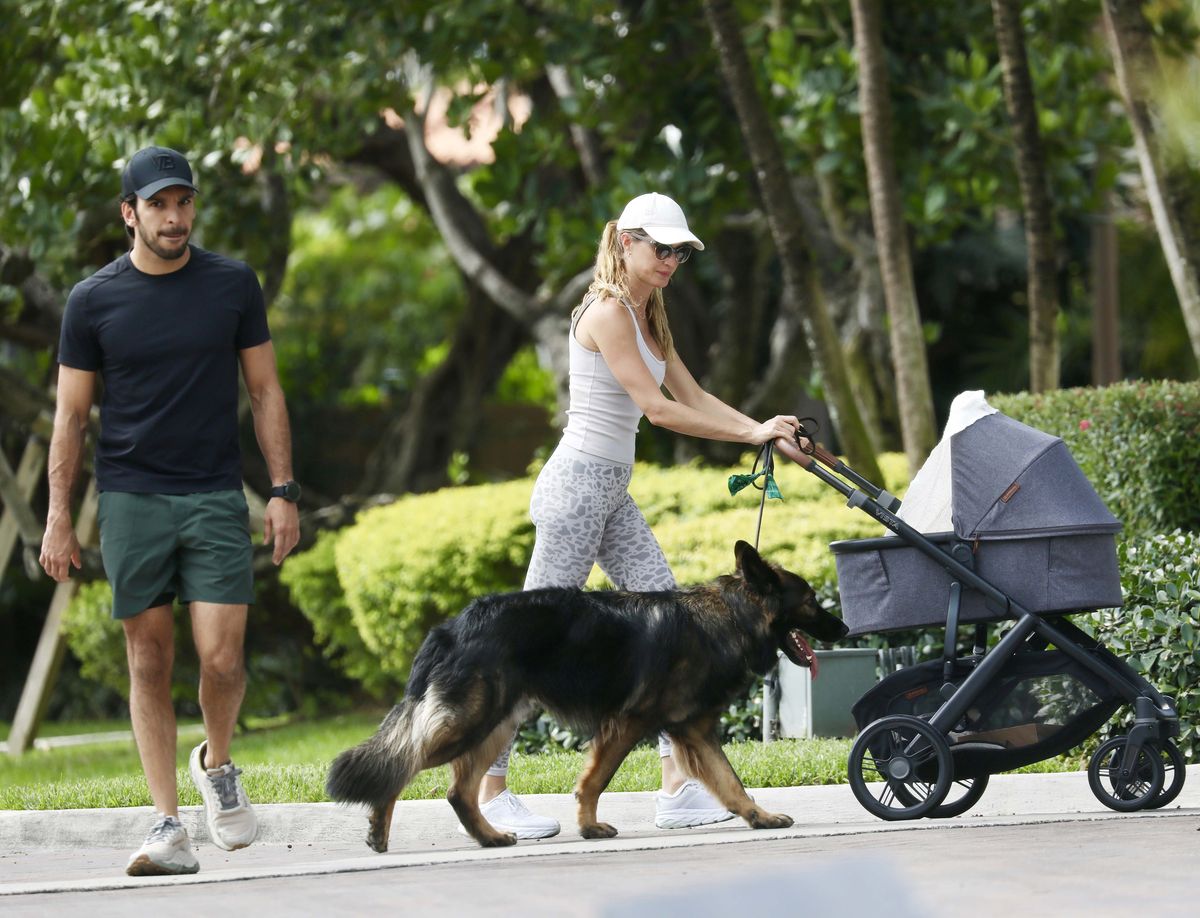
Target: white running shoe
x=230, y=817
x=690, y=806
x=507, y=813
x=166, y=851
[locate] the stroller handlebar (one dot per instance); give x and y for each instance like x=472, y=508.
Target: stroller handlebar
x=807, y=454
x=803, y=451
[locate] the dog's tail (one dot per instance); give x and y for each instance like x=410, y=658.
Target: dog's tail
x=374, y=772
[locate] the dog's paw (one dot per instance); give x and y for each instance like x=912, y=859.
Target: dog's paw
x=598, y=830
x=760, y=819
x=498, y=840
x=377, y=844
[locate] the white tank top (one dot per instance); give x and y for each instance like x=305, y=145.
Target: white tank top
x=602, y=419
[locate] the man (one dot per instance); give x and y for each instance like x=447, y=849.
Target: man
x=166, y=326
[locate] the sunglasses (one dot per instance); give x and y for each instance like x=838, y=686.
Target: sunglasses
x=662, y=251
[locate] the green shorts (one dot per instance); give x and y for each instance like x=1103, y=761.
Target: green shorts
x=159, y=546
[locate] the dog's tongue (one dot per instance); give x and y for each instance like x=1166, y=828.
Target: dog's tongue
x=805, y=651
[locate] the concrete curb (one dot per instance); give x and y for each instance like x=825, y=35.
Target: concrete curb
x=324, y=838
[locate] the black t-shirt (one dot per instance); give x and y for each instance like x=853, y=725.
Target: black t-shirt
x=166, y=346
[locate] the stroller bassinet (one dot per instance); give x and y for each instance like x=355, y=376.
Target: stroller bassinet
x=1024, y=512
x=1031, y=543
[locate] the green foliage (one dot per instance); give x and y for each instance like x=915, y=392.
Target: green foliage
x=953, y=140
x=1138, y=443
x=312, y=580
x=95, y=638
x=414, y=563
x=527, y=381
x=1158, y=630
x=369, y=289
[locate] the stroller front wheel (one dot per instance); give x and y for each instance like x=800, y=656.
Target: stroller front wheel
x=1174, y=773
x=1126, y=789
x=900, y=768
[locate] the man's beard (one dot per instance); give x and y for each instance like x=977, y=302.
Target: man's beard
x=156, y=246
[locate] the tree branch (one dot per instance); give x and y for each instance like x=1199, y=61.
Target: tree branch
x=448, y=209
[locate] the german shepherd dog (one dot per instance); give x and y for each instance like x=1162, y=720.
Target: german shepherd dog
x=620, y=665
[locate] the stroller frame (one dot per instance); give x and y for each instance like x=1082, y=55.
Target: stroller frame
x=903, y=766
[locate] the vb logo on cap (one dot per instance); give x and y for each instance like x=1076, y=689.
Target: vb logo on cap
x=151, y=170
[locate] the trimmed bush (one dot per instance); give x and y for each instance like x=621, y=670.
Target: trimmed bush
x=414, y=563
x=312, y=580
x=1138, y=443
x=1158, y=630
x=96, y=638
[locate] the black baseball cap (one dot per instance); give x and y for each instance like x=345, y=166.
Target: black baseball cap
x=152, y=169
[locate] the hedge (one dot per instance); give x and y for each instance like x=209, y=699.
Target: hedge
x=1138, y=443
x=1157, y=631
x=409, y=565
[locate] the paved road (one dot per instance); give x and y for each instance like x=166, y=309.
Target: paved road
x=1037, y=845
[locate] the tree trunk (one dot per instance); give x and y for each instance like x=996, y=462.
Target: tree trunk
x=802, y=293
x=1106, y=352
x=1132, y=48
x=1035, y=198
x=917, y=425
x=414, y=451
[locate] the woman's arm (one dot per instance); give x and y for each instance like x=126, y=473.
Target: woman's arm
x=684, y=389
x=608, y=324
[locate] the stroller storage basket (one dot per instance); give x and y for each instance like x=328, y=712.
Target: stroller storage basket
x=1042, y=704
x=886, y=584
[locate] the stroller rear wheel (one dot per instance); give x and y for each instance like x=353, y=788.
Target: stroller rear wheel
x=900, y=768
x=1121, y=790
x=963, y=794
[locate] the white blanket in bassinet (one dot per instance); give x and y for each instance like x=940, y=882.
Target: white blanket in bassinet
x=926, y=505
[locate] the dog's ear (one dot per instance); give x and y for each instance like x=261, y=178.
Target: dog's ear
x=754, y=570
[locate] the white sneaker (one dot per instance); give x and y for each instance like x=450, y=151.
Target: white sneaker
x=690, y=806
x=231, y=820
x=507, y=813
x=165, y=851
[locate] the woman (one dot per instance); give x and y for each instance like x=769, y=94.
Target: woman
x=620, y=356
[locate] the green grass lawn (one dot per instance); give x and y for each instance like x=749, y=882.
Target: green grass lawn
x=287, y=764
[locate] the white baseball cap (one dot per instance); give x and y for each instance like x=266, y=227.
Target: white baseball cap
x=661, y=218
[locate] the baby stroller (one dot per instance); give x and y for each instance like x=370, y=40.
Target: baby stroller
x=1031, y=543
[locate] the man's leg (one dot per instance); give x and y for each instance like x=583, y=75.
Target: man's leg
x=150, y=648
x=219, y=631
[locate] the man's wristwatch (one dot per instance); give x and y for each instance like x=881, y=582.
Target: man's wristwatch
x=289, y=491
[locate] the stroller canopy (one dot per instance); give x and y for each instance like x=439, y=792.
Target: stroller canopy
x=1010, y=481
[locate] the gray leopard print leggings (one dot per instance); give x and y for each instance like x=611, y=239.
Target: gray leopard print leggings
x=584, y=515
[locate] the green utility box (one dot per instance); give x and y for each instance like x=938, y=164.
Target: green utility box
x=822, y=708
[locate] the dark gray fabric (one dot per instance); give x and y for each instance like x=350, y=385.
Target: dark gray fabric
x=893, y=586
x=1052, y=495
x=1050, y=546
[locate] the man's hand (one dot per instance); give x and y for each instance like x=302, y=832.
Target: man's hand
x=60, y=549
x=281, y=523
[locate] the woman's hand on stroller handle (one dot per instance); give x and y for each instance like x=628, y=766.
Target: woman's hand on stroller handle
x=802, y=448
